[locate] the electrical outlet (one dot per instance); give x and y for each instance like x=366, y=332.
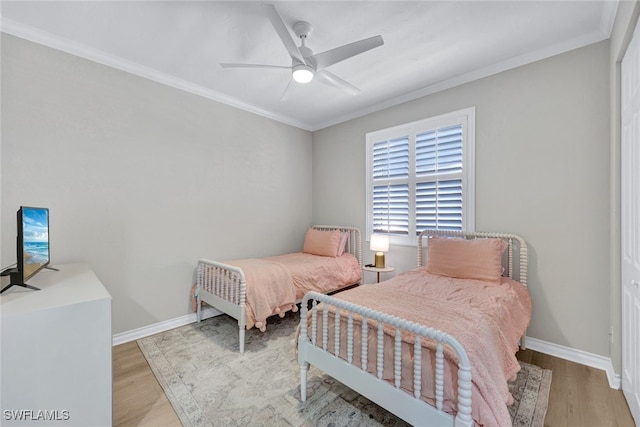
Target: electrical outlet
x=611, y=335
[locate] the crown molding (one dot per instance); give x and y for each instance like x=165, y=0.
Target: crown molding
x=488, y=71
x=46, y=39
x=608, y=17
x=41, y=37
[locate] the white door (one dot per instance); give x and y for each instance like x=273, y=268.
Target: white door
x=630, y=225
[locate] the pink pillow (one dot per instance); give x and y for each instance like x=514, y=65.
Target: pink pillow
x=344, y=235
x=479, y=259
x=324, y=243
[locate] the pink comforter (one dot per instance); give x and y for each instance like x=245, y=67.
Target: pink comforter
x=485, y=318
x=269, y=290
x=274, y=284
x=319, y=273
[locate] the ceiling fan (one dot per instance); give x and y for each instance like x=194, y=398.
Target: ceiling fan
x=305, y=66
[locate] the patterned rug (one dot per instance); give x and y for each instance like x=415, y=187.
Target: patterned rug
x=210, y=384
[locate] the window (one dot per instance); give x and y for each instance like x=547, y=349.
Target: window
x=421, y=175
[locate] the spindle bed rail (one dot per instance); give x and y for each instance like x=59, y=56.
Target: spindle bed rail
x=388, y=395
x=321, y=337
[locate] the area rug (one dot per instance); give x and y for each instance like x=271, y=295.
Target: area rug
x=210, y=384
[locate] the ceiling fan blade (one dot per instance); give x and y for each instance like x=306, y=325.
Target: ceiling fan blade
x=287, y=91
x=283, y=33
x=330, y=57
x=336, y=81
x=234, y=65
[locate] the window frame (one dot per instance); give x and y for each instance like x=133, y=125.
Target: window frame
x=464, y=117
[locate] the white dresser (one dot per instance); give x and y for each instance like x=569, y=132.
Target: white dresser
x=55, y=350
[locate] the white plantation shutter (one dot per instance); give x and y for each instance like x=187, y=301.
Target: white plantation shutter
x=439, y=205
x=439, y=179
x=391, y=209
x=391, y=158
x=439, y=151
x=390, y=199
x=420, y=176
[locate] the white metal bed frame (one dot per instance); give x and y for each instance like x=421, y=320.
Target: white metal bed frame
x=389, y=395
x=223, y=286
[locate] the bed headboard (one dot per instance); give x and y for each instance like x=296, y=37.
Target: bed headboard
x=354, y=241
x=517, y=249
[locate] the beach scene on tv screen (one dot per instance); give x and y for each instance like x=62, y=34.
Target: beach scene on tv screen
x=36, y=239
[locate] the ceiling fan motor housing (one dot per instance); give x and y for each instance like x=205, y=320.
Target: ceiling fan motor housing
x=303, y=73
x=302, y=29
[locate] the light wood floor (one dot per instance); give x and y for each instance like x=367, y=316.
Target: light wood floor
x=138, y=399
x=580, y=396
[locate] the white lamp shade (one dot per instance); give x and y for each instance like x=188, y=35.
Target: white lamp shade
x=379, y=243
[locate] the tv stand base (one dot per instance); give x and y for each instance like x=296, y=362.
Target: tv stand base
x=16, y=280
x=24, y=285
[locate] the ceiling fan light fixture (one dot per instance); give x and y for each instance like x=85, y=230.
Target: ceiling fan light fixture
x=302, y=73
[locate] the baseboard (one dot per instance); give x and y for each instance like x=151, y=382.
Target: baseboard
x=156, y=328
x=578, y=356
x=556, y=350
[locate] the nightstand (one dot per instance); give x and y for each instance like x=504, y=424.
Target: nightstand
x=378, y=270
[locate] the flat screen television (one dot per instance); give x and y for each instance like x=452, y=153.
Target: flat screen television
x=32, y=246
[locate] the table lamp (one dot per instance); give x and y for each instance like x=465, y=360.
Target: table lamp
x=379, y=244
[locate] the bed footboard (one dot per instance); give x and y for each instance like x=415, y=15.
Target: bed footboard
x=222, y=286
x=388, y=395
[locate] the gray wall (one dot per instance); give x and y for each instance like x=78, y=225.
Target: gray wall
x=542, y=171
x=142, y=179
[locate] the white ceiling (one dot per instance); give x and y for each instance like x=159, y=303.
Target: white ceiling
x=428, y=45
